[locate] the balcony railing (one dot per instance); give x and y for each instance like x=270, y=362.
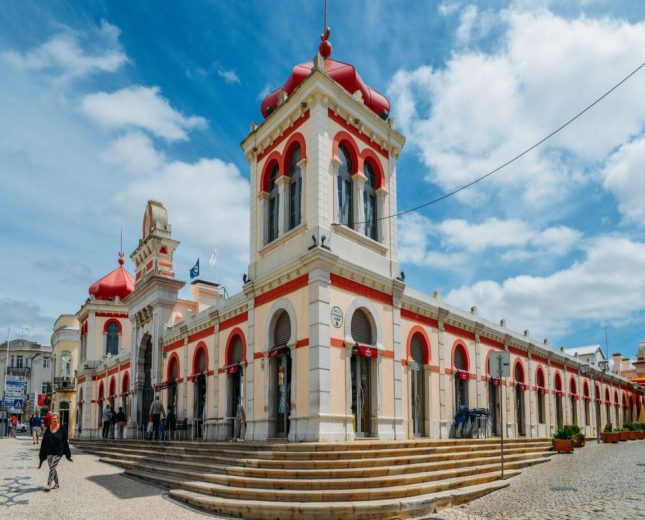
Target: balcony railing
x=64, y=384
x=19, y=371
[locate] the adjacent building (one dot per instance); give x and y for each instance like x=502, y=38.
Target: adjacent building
x=65, y=342
x=30, y=365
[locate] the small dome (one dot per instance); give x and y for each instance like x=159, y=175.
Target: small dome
x=342, y=73
x=118, y=283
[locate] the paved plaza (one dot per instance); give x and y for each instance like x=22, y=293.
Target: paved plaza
x=604, y=482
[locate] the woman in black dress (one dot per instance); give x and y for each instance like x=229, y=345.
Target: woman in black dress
x=54, y=445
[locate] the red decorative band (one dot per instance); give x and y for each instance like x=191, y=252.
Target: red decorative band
x=201, y=334
x=413, y=316
x=352, y=130
x=360, y=289
x=284, y=136
x=283, y=290
x=235, y=320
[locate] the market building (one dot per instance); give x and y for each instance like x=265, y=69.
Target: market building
x=325, y=342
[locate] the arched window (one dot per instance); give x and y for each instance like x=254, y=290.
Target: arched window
x=295, y=189
x=282, y=332
x=237, y=350
x=361, y=328
x=519, y=373
x=112, y=340
x=540, y=397
x=460, y=359
x=345, y=203
x=172, y=369
x=274, y=203
x=200, y=362
x=369, y=201
x=417, y=350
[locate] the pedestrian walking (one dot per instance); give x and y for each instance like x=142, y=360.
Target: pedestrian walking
x=171, y=421
x=105, y=416
x=55, y=444
x=120, y=423
x=14, y=426
x=112, y=423
x=36, y=428
x=156, y=411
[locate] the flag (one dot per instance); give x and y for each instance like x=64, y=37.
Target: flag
x=194, y=272
x=213, y=259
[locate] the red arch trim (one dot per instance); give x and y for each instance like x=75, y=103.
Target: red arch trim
x=125, y=383
x=557, y=382
x=369, y=156
x=112, y=320
x=518, y=361
x=229, y=344
x=573, y=386
x=112, y=386
x=101, y=390
x=460, y=344
x=418, y=329
x=343, y=137
x=607, y=395
x=295, y=139
x=174, y=358
x=274, y=158
x=540, y=370
x=200, y=346
x=585, y=389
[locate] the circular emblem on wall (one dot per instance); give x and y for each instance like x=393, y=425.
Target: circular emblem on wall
x=337, y=317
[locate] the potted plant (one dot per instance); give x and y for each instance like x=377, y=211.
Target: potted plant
x=641, y=430
x=623, y=434
x=612, y=435
x=604, y=437
x=578, y=437
x=632, y=429
x=563, y=441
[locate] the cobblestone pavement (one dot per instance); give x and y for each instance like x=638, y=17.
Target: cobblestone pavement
x=607, y=481
x=89, y=489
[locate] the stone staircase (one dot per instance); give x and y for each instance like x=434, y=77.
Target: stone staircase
x=358, y=480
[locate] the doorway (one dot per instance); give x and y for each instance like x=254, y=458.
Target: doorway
x=361, y=371
x=199, y=411
x=282, y=379
x=493, y=404
x=63, y=409
x=148, y=390
x=558, y=411
x=519, y=411
x=417, y=385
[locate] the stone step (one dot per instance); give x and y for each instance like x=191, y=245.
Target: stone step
x=318, y=447
x=310, y=464
x=197, y=467
x=318, y=495
x=411, y=507
x=354, y=454
x=323, y=484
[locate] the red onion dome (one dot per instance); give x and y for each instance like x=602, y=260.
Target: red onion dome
x=342, y=73
x=118, y=283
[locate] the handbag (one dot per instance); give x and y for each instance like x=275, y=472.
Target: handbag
x=150, y=429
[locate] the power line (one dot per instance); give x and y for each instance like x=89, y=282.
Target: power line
x=479, y=179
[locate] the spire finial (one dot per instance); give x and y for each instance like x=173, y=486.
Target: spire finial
x=325, y=44
x=121, y=255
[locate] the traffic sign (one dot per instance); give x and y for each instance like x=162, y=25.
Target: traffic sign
x=499, y=364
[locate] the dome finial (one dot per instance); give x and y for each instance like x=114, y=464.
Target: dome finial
x=121, y=255
x=325, y=44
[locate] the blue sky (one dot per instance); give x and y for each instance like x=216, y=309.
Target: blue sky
x=106, y=104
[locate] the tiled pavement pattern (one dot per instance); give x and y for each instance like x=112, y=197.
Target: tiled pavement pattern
x=88, y=490
x=609, y=485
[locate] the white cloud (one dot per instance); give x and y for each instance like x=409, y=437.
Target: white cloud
x=448, y=7
x=25, y=316
x=140, y=107
x=482, y=109
x=457, y=240
x=608, y=284
x=264, y=92
x=230, y=76
x=467, y=19
x=134, y=152
x=207, y=201
x=623, y=175
x=65, y=56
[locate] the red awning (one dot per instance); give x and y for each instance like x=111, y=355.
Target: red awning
x=366, y=351
x=275, y=350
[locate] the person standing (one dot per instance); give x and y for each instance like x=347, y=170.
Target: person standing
x=105, y=416
x=14, y=425
x=171, y=420
x=55, y=444
x=36, y=428
x=120, y=423
x=156, y=411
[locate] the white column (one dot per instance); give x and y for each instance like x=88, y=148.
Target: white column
x=399, y=432
x=283, y=204
x=215, y=369
x=250, y=367
x=381, y=211
x=358, y=188
x=263, y=204
x=444, y=393
x=532, y=422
